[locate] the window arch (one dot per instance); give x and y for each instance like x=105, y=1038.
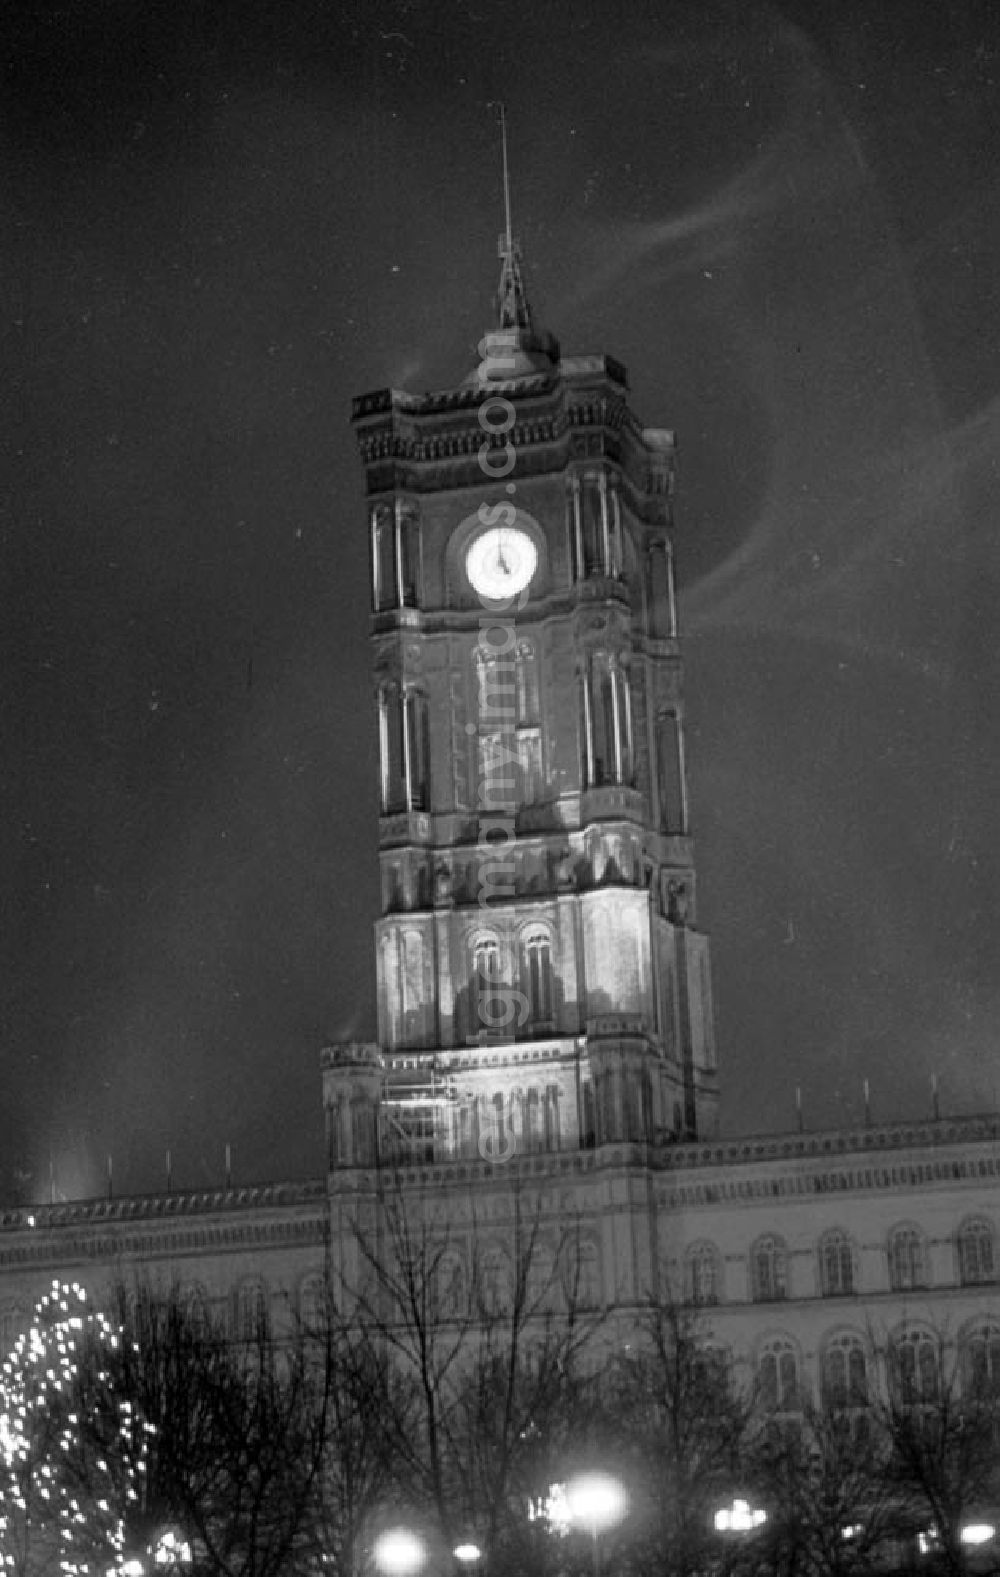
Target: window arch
x=395, y=555
x=537, y=976
x=768, y=1269
x=914, y=1368
x=836, y=1264
x=980, y=1361
x=844, y=1373
x=452, y=1285
x=976, y=1252
x=312, y=1302
x=704, y=1274
x=907, y=1259
x=595, y=524
x=487, y=999
x=251, y=1313
x=494, y=1281
x=778, y=1376
x=404, y=748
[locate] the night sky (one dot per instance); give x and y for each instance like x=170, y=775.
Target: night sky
x=220, y=222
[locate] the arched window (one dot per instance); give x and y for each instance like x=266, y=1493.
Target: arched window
x=607, y=722
x=528, y=730
x=542, y=1290
x=488, y=1007
x=251, y=1314
x=768, y=1270
x=703, y=1274
x=494, y=1281
x=392, y=777
x=907, y=1265
x=527, y=686
x=980, y=1351
x=538, y=978
x=452, y=1287
x=313, y=1303
x=383, y=530
x=844, y=1373
x=778, y=1376
x=670, y=773
x=976, y=1258
x=914, y=1368
x=395, y=551
x=836, y=1264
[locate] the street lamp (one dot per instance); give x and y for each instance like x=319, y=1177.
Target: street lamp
x=399, y=1552
x=740, y=1517
x=595, y=1501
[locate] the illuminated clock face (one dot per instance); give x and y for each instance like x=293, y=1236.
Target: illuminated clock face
x=501, y=562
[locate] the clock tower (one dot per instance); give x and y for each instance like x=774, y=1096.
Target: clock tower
x=542, y=982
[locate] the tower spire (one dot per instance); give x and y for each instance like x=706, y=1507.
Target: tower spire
x=513, y=311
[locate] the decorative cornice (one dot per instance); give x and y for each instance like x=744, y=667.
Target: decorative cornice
x=830, y=1143
x=162, y=1207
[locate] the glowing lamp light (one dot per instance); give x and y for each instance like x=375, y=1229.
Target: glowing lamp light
x=399, y=1553
x=853, y=1530
x=466, y=1553
x=740, y=1517
x=977, y=1533
x=596, y=1501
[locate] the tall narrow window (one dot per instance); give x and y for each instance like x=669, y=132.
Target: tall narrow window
x=496, y=719
x=593, y=506
x=768, y=1272
x=836, y=1265
x=395, y=551
x=778, y=1377
x=845, y=1373
x=976, y=1260
x=703, y=1275
x=392, y=987
x=392, y=749
x=487, y=1006
x=416, y=750
x=529, y=737
x=608, y=712
x=383, y=530
x=408, y=549
x=914, y=1368
x=906, y=1260
x=981, y=1363
x=538, y=978
x=670, y=773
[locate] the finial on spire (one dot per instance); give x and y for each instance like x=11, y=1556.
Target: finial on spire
x=508, y=238
x=513, y=311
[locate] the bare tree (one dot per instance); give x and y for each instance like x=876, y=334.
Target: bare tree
x=675, y=1424
x=481, y=1349
x=940, y=1413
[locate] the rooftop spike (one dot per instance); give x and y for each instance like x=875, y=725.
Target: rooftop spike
x=513, y=311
